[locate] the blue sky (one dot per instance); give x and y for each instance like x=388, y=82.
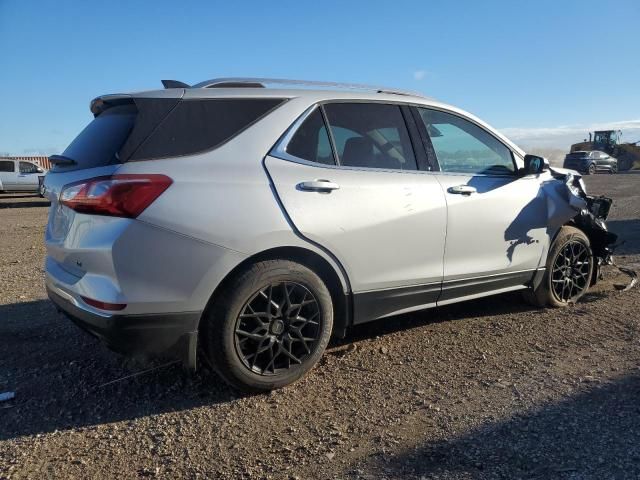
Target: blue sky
x=522, y=66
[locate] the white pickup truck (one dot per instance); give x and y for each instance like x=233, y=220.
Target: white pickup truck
x=21, y=176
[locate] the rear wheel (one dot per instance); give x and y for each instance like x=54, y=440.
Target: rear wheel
x=269, y=327
x=569, y=269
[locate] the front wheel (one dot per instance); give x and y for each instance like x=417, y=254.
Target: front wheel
x=269, y=326
x=569, y=269
x=592, y=169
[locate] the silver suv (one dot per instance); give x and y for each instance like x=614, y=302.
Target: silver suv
x=252, y=223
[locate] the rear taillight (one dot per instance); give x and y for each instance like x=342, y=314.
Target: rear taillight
x=117, y=195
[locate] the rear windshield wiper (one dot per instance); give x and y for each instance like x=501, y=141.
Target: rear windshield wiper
x=62, y=160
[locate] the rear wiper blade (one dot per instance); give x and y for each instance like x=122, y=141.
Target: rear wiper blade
x=62, y=160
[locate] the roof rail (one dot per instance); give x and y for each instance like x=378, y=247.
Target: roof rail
x=235, y=82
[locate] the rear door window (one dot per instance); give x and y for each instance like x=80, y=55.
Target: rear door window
x=371, y=135
x=7, y=166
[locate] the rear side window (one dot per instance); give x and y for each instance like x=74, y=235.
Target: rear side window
x=7, y=166
x=370, y=135
x=311, y=141
x=98, y=144
x=462, y=146
x=197, y=125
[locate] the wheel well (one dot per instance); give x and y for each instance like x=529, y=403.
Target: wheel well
x=341, y=301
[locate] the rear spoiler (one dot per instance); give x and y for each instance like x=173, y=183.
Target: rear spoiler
x=174, y=84
x=100, y=104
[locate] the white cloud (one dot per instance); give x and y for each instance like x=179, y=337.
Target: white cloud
x=419, y=74
x=517, y=133
x=565, y=135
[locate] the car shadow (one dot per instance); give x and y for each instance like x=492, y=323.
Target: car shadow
x=10, y=203
x=63, y=378
x=53, y=366
x=593, y=434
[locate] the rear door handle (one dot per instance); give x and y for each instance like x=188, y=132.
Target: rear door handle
x=319, y=185
x=462, y=190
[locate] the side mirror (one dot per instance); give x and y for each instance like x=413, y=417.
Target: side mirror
x=534, y=165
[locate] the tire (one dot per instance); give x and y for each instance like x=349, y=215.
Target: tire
x=592, y=169
x=571, y=279
x=613, y=170
x=41, y=191
x=232, y=331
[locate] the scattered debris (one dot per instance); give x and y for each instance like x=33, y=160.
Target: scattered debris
x=627, y=271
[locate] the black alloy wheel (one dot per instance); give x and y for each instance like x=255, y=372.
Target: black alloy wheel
x=268, y=325
x=571, y=271
x=277, y=328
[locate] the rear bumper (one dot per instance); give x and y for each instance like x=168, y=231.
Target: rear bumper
x=173, y=334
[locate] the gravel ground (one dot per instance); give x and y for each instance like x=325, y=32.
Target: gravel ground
x=485, y=389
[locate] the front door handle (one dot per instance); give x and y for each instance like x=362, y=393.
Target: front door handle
x=462, y=190
x=319, y=185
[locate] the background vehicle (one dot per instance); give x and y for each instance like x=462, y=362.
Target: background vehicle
x=257, y=221
x=20, y=176
x=609, y=141
x=590, y=162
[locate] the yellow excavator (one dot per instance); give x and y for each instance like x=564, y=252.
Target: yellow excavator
x=609, y=141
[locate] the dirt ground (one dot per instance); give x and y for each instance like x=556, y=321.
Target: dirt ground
x=486, y=389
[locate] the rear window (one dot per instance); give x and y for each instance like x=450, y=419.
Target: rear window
x=98, y=144
x=160, y=128
x=198, y=125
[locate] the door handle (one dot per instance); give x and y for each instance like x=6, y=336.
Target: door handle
x=462, y=190
x=319, y=185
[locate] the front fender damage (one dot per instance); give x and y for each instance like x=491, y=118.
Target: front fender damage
x=586, y=212
x=568, y=203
